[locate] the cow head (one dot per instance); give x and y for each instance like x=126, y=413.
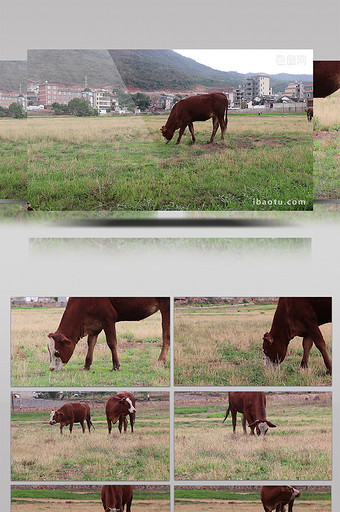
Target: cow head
x=126, y=402
x=56, y=417
x=60, y=349
x=262, y=426
x=52, y=418
x=167, y=134
x=274, y=350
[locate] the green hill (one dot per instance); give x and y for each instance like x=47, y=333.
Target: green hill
x=13, y=73
x=142, y=69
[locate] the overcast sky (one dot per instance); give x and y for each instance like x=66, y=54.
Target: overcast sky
x=255, y=61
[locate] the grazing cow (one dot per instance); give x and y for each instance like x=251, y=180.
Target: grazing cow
x=298, y=316
x=197, y=108
x=75, y=412
x=326, y=77
x=118, y=407
x=309, y=113
x=90, y=315
x=115, y=497
x=252, y=405
x=275, y=497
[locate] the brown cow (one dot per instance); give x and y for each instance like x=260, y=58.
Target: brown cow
x=326, y=77
x=115, y=497
x=309, y=113
x=252, y=405
x=275, y=497
x=118, y=407
x=90, y=315
x=197, y=108
x=298, y=316
x=75, y=412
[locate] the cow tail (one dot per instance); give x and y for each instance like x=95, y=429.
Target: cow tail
x=92, y=425
x=226, y=114
x=226, y=414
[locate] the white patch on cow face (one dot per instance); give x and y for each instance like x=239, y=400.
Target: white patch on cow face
x=55, y=361
x=165, y=139
x=132, y=409
x=268, y=362
x=263, y=427
x=52, y=420
x=295, y=493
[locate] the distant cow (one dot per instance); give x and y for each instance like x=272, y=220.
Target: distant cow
x=326, y=77
x=252, y=406
x=197, y=108
x=118, y=407
x=90, y=315
x=275, y=497
x=298, y=316
x=115, y=497
x=309, y=112
x=68, y=414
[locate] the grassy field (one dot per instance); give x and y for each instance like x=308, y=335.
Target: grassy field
x=326, y=147
x=139, y=346
x=39, y=452
x=43, y=500
x=299, y=448
x=13, y=160
x=247, y=500
x=224, y=347
x=122, y=163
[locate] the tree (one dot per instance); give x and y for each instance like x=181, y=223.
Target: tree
x=17, y=111
x=60, y=108
x=81, y=107
x=142, y=101
x=4, y=112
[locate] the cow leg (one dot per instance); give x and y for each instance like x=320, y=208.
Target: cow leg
x=132, y=421
x=71, y=427
x=91, y=343
x=165, y=312
x=307, y=344
x=223, y=126
x=290, y=506
x=244, y=424
x=215, y=127
x=109, y=425
x=61, y=428
x=181, y=131
x=128, y=505
x=125, y=423
x=317, y=337
x=120, y=423
x=83, y=426
x=249, y=419
x=191, y=128
x=111, y=340
x=88, y=425
x=234, y=417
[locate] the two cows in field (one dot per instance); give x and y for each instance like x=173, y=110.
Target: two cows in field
x=118, y=408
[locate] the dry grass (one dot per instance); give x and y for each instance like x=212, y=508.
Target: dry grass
x=326, y=111
x=224, y=346
x=30, y=357
x=14, y=130
x=39, y=452
x=85, y=506
x=244, y=506
x=299, y=448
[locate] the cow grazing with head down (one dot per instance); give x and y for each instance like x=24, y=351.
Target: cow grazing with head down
x=90, y=315
x=118, y=407
x=252, y=406
x=326, y=77
x=276, y=497
x=197, y=108
x=115, y=497
x=298, y=316
x=309, y=112
x=68, y=414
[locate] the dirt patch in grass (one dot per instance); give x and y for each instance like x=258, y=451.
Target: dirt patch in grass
x=323, y=134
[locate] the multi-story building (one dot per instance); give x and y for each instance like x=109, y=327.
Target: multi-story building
x=53, y=92
x=7, y=98
x=102, y=100
x=257, y=86
x=308, y=91
x=295, y=90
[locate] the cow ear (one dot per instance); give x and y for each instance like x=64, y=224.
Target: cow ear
x=268, y=337
x=270, y=424
x=59, y=338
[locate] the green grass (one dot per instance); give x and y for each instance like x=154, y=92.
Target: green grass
x=327, y=166
x=84, y=494
x=13, y=169
x=122, y=164
x=246, y=495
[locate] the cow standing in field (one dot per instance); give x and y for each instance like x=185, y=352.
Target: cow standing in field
x=275, y=497
x=298, y=316
x=252, y=406
x=118, y=407
x=115, y=497
x=309, y=112
x=197, y=108
x=326, y=77
x=90, y=315
x=68, y=414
